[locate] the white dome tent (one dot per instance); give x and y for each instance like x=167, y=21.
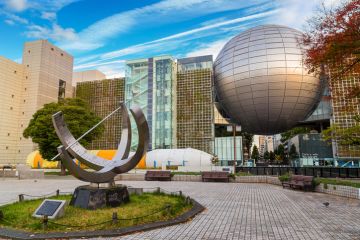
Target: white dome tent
x=187, y=159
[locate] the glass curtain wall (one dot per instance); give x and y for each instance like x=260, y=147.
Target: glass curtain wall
x=136, y=92
x=162, y=100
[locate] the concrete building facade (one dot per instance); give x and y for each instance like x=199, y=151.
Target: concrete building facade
x=44, y=76
x=87, y=76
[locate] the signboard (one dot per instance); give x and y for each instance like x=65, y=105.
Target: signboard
x=51, y=208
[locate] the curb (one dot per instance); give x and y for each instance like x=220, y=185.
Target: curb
x=18, y=234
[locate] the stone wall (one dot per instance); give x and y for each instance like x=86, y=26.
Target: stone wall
x=187, y=178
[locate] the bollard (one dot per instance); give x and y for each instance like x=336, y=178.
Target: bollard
x=180, y=193
x=114, y=218
x=57, y=192
x=21, y=197
x=158, y=190
x=45, y=222
x=168, y=208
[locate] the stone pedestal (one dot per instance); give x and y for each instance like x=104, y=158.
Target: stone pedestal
x=91, y=197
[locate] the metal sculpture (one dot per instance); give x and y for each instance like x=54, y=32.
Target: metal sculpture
x=105, y=170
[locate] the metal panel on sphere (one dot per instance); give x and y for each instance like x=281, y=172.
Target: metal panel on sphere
x=261, y=82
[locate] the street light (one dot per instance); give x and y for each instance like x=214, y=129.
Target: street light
x=235, y=129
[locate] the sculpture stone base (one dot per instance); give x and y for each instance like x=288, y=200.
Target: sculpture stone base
x=90, y=197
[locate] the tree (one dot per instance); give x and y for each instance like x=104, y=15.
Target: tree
x=255, y=153
x=293, y=153
x=280, y=156
x=271, y=156
x=78, y=116
x=247, y=140
x=266, y=155
x=333, y=35
x=293, y=132
x=332, y=43
x=343, y=136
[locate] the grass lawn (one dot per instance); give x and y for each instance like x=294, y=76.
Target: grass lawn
x=337, y=182
x=55, y=173
x=18, y=215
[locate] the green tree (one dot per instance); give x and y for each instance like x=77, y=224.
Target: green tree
x=293, y=132
x=255, y=153
x=343, y=136
x=266, y=155
x=280, y=156
x=271, y=156
x=293, y=153
x=247, y=140
x=78, y=116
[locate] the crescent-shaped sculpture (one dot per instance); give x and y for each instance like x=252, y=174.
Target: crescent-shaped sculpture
x=106, y=170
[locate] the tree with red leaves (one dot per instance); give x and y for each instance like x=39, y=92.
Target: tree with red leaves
x=333, y=35
x=332, y=41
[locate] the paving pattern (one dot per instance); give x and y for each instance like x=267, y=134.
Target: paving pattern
x=236, y=211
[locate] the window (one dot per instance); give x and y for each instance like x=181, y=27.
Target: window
x=28, y=51
x=62, y=88
x=15, y=71
x=11, y=108
x=52, y=49
x=12, y=96
x=8, y=134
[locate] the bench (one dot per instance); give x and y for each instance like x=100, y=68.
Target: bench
x=158, y=176
x=7, y=167
x=216, y=176
x=300, y=182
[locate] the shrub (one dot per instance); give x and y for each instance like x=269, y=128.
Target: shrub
x=284, y=178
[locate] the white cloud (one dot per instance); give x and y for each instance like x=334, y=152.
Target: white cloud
x=12, y=18
x=97, y=64
x=294, y=13
x=16, y=5
x=51, y=16
x=208, y=49
x=170, y=43
x=142, y=47
x=113, y=70
x=9, y=22
x=56, y=33
x=166, y=11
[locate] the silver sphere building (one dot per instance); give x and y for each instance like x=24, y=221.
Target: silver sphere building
x=261, y=83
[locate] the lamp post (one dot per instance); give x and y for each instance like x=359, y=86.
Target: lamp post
x=234, y=136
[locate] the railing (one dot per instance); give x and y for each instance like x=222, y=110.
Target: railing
x=325, y=172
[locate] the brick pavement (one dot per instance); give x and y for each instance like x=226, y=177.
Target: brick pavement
x=237, y=211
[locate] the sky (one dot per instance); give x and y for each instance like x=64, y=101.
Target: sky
x=103, y=34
